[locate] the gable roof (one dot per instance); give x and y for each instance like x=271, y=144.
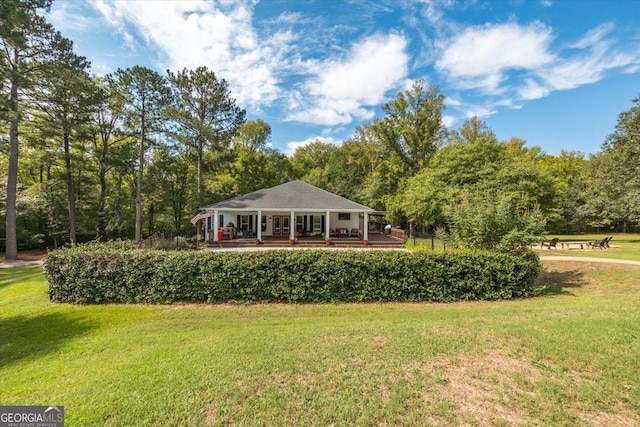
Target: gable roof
x=294, y=195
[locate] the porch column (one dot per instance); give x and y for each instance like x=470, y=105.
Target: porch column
x=216, y=226
x=259, y=226
x=327, y=227
x=292, y=226
x=365, y=232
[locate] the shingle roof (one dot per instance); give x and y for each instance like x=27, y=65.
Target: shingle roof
x=294, y=195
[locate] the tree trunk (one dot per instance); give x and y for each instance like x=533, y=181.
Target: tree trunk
x=102, y=220
x=139, y=181
x=200, y=224
x=11, y=248
x=71, y=199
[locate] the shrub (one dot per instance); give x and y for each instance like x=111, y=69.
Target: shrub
x=102, y=275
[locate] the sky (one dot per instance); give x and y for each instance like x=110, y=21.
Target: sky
x=556, y=73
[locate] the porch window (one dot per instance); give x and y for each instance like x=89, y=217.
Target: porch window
x=317, y=224
x=300, y=224
x=263, y=223
x=244, y=222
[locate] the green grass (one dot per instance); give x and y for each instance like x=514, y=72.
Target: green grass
x=624, y=246
x=568, y=357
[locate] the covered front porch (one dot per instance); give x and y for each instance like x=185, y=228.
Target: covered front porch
x=231, y=224
x=375, y=241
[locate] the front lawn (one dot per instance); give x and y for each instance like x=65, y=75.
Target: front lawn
x=569, y=357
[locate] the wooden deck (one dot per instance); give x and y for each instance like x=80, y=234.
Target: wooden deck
x=376, y=241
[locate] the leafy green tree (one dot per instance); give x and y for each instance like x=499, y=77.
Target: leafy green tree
x=309, y=162
x=497, y=221
x=614, y=195
x=483, y=166
x=27, y=46
x=256, y=165
x=571, y=176
x=146, y=95
x=471, y=131
x=412, y=128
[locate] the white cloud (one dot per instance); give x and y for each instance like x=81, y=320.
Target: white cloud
x=194, y=33
x=341, y=90
x=479, y=57
x=294, y=145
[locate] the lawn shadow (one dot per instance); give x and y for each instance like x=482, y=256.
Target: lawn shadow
x=32, y=337
x=14, y=275
x=559, y=282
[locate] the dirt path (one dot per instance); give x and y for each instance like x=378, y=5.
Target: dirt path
x=588, y=259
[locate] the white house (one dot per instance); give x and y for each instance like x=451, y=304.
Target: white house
x=292, y=209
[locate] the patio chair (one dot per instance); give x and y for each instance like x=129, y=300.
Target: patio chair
x=355, y=232
x=601, y=244
x=607, y=242
x=551, y=244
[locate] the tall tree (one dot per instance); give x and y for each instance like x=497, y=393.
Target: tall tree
x=67, y=98
x=109, y=147
x=146, y=96
x=205, y=115
x=615, y=190
x=412, y=128
x=26, y=43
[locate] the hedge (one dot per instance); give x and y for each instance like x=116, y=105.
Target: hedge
x=88, y=276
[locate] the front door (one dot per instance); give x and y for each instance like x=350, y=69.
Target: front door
x=277, y=225
x=281, y=224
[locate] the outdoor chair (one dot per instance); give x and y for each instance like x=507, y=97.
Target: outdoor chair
x=602, y=244
x=355, y=232
x=551, y=244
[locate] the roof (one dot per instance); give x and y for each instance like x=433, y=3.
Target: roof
x=294, y=195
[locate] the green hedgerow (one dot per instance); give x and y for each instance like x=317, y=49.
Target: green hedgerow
x=121, y=275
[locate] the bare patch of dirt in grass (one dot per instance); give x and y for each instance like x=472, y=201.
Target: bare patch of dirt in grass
x=603, y=419
x=484, y=390
x=212, y=415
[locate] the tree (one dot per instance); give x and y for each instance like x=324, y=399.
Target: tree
x=26, y=42
x=256, y=165
x=472, y=130
x=412, y=129
x=484, y=166
x=615, y=191
x=493, y=220
x=67, y=98
x=146, y=95
x=204, y=114
x=109, y=146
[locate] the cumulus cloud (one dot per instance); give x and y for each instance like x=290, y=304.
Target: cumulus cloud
x=480, y=57
x=194, y=33
x=510, y=63
x=341, y=90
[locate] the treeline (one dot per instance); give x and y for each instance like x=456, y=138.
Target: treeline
x=135, y=153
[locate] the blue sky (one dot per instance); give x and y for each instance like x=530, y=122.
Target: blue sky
x=554, y=72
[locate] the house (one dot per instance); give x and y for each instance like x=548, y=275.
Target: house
x=292, y=209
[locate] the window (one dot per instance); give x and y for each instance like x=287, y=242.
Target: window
x=317, y=224
x=344, y=216
x=244, y=222
x=264, y=223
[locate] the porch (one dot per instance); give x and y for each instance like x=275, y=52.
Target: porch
x=375, y=241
